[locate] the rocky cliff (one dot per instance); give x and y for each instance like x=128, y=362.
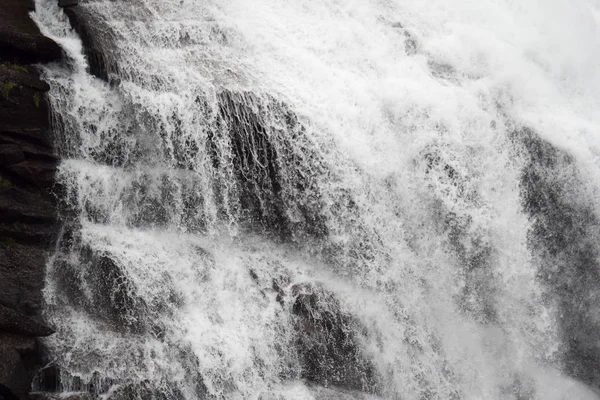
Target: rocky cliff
x=27, y=208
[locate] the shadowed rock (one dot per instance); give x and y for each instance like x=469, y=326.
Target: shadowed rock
x=20, y=38
x=564, y=237
x=262, y=135
x=67, y=3
x=13, y=373
x=330, y=353
x=96, y=38
x=7, y=394
x=14, y=322
x=27, y=208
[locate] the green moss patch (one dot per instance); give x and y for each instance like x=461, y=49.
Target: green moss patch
x=13, y=67
x=7, y=87
x=37, y=98
x=4, y=183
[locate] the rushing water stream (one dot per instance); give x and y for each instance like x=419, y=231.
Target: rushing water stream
x=323, y=199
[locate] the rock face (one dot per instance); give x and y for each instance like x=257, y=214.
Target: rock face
x=329, y=350
x=27, y=167
x=96, y=41
x=563, y=237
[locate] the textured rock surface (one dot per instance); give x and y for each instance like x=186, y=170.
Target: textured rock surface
x=96, y=41
x=27, y=167
x=330, y=352
x=12, y=321
x=563, y=239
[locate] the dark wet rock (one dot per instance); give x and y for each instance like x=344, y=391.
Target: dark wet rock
x=24, y=345
x=28, y=48
x=22, y=103
x=21, y=276
x=35, y=172
x=474, y=255
x=411, y=45
x=27, y=208
x=20, y=38
x=97, y=40
x=28, y=143
x=47, y=379
x=261, y=152
x=38, y=139
x=59, y=396
x=442, y=70
x=24, y=75
x=564, y=238
x=322, y=393
x=67, y=3
x=11, y=154
x=17, y=354
x=12, y=321
x=51, y=382
x=13, y=372
x=7, y=394
x=112, y=295
x=277, y=285
x=97, y=283
x=327, y=342
x=146, y=391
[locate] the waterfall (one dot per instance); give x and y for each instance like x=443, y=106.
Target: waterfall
x=271, y=199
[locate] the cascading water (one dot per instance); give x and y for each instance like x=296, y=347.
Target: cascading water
x=269, y=199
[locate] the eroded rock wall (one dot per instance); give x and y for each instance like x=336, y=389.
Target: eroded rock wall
x=28, y=224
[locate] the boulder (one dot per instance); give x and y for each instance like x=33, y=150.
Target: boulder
x=28, y=48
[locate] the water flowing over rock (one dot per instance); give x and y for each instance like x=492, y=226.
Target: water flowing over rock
x=563, y=238
x=328, y=348
x=316, y=200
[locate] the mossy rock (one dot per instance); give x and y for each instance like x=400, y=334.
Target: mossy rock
x=7, y=87
x=37, y=98
x=4, y=183
x=8, y=66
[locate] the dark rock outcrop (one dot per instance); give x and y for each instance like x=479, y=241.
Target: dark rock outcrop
x=27, y=218
x=12, y=321
x=67, y=3
x=97, y=40
x=327, y=342
x=564, y=239
x=263, y=151
x=20, y=39
x=59, y=396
